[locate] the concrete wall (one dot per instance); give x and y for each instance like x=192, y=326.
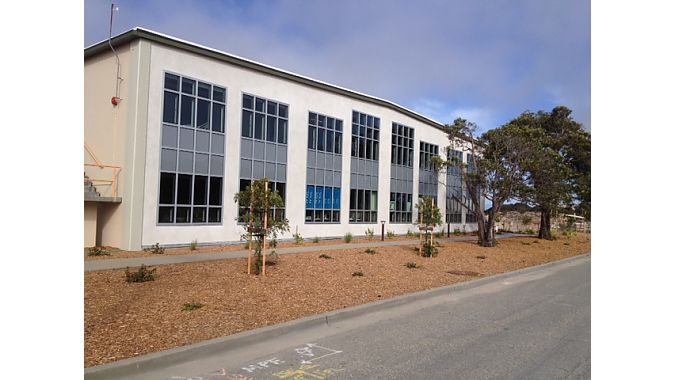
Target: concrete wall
x=301, y=100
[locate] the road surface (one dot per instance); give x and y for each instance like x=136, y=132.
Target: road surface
x=528, y=325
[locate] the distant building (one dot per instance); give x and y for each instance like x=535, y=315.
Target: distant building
x=182, y=128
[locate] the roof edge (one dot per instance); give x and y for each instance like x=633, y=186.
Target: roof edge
x=141, y=33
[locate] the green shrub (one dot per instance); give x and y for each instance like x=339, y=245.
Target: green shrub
x=456, y=231
x=369, y=233
x=390, y=234
x=370, y=251
x=191, y=306
x=97, y=251
x=530, y=232
x=297, y=238
x=409, y=233
x=324, y=256
x=193, y=245
x=143, y=274
x=315, y=239
x=347, y=238
x=568, y=233
x=429, y=250
x=357, y=274
x=412, y=265
x=156, y=249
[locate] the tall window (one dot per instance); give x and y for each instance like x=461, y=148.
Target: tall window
x=428, y=184
x=192, y=152
x=324, y=163
x=401, y=174
x=364, y=168
x=454, y=186
x=264, y=146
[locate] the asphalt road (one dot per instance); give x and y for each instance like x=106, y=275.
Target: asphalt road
x=533, y=325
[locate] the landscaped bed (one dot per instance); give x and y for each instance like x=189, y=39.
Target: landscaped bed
x=114, y=253
x=124, y=320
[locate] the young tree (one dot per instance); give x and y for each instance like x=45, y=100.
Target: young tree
x=493, y=171
x=429, y=217
x=558, y=171
x=258, y=200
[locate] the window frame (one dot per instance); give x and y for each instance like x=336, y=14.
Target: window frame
x=193, y=151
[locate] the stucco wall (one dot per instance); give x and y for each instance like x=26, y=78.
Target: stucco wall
x=90, y=224
x=106, y=130
x=301, y=99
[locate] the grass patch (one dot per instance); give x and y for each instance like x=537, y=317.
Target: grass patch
x=358, y=274
x=191, y=306
x=315, y=239
x=193, y=245
x=412, y=265
x=347, y=238
x=324, y=256
x=370, y=251
x=481, y=257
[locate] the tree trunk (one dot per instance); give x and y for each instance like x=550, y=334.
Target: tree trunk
x=480, y=231
x=545, y=231
x=486, y=231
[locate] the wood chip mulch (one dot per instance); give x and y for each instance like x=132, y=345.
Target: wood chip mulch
x=124, y=320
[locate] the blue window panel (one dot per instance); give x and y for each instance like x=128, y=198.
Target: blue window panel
x=309, y=197
x=319, y=195
x=327, y=197
x=336, y=198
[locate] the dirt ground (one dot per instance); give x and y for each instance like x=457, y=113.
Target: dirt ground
x=124, y=320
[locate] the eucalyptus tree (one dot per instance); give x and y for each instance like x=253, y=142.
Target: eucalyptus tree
x=493, y=171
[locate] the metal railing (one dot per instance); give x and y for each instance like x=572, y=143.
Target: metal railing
x=112, y=182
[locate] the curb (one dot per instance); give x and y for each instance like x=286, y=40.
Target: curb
x=206, y=348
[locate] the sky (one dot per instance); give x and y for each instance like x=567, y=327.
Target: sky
x=486, y=61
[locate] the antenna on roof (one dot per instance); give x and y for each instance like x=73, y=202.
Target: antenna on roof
x=116, y=99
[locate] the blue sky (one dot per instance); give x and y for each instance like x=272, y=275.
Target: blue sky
x=485, y=60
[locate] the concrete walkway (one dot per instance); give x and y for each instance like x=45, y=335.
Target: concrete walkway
x=195, y=257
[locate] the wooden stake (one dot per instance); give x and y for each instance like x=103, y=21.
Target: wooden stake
x=265, y=224
x=248, y=263
x=421, y=216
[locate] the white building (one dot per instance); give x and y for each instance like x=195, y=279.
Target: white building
x=193, y=125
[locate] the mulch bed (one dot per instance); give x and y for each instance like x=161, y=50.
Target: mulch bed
x=124, y=320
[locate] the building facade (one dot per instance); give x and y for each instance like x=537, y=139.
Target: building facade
x=193, y=126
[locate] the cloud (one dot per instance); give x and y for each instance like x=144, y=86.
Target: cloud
x=499, y=57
